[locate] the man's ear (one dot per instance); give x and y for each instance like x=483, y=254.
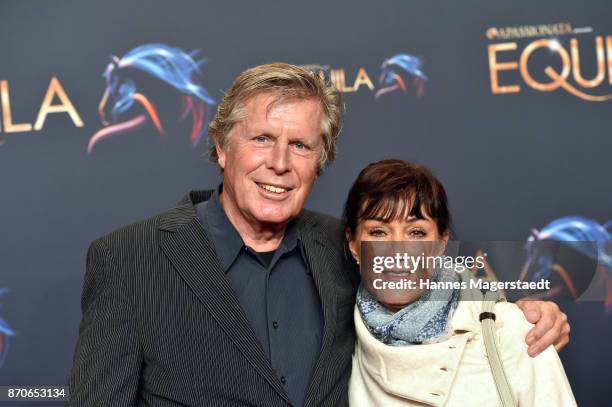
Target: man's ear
x=220, y=155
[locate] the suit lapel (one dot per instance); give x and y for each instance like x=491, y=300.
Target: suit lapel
x=321, y=259
x=192, y=253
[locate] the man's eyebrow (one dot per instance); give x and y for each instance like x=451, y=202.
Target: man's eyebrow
x=260, y=132
x=300, y=139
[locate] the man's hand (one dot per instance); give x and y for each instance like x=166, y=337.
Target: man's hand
x=551, y=326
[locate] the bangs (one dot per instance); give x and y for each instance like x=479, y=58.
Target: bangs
x=397, y=205
x=393, y=189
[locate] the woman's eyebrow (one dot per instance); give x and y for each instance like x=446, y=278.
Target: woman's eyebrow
x=411, y=219
x=375, y=219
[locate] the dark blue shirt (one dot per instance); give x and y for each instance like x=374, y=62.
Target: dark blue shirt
x=277, y=294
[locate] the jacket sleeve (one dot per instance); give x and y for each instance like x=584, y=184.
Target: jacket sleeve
x=107, y=360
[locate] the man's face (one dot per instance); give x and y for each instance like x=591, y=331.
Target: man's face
x=270, y=161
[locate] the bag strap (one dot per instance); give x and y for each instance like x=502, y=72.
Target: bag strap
x=487, y=318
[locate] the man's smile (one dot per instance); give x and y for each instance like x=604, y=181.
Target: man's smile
x=277, y=189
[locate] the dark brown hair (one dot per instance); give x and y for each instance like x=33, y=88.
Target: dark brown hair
x=396, y=189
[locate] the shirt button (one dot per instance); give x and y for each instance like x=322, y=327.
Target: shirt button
x=275, y=324
x=283, y=380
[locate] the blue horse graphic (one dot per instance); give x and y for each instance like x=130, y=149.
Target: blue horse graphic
x=395, y=71
x=170, y=65
x=584, y=236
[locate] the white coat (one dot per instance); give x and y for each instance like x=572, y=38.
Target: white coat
x=456, y=372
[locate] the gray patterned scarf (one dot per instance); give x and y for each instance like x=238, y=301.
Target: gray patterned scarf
x=426, y=320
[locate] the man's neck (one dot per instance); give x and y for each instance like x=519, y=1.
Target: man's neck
x=259, y=237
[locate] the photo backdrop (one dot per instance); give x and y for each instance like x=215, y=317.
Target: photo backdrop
x=104, y=105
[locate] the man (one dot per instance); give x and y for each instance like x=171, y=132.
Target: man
x=237, y=296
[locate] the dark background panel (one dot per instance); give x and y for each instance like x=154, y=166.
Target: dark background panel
x=510, y=163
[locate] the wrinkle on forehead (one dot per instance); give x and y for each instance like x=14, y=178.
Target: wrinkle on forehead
x=281, y=106
x=276, y=100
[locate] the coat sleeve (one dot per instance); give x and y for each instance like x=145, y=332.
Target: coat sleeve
x=539, y=381
x=551, y=385
x=107, y=360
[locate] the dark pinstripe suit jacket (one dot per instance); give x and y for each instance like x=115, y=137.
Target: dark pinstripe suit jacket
x=161, y=325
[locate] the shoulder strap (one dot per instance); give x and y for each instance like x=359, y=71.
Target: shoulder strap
x=487, y=318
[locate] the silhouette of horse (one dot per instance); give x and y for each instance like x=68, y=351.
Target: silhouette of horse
x=392, y=71
x=583, y=239
x=170, y=65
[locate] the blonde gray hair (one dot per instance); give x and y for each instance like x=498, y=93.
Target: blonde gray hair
x=287, y=82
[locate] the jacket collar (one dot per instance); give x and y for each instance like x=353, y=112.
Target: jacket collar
x=187, y=245
x=189, y=248
x=226, y=239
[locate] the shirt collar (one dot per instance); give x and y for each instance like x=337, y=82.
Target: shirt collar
x=227, y=240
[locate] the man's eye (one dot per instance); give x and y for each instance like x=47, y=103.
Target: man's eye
x=261, y=139
x=377, y=233
x=300, y=146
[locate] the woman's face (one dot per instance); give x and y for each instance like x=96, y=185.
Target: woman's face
x=397, y=230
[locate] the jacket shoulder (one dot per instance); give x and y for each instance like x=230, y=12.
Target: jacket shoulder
x=326, y=227
x=143, y=232
x=322, y=220
x=170, y=220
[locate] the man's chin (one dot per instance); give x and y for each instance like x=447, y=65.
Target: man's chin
x=276, y=218
x=272, y=221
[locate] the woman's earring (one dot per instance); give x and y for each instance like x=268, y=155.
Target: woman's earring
x=357, y=260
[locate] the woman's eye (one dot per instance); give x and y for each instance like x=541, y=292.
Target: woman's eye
x=417, y=233
x=377, y=233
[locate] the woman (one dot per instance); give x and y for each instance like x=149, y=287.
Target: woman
x=424, y=346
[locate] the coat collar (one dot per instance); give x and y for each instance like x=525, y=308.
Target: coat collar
x=423, y=373
x=190, y=250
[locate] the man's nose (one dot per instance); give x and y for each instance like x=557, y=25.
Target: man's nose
x=279, y=159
